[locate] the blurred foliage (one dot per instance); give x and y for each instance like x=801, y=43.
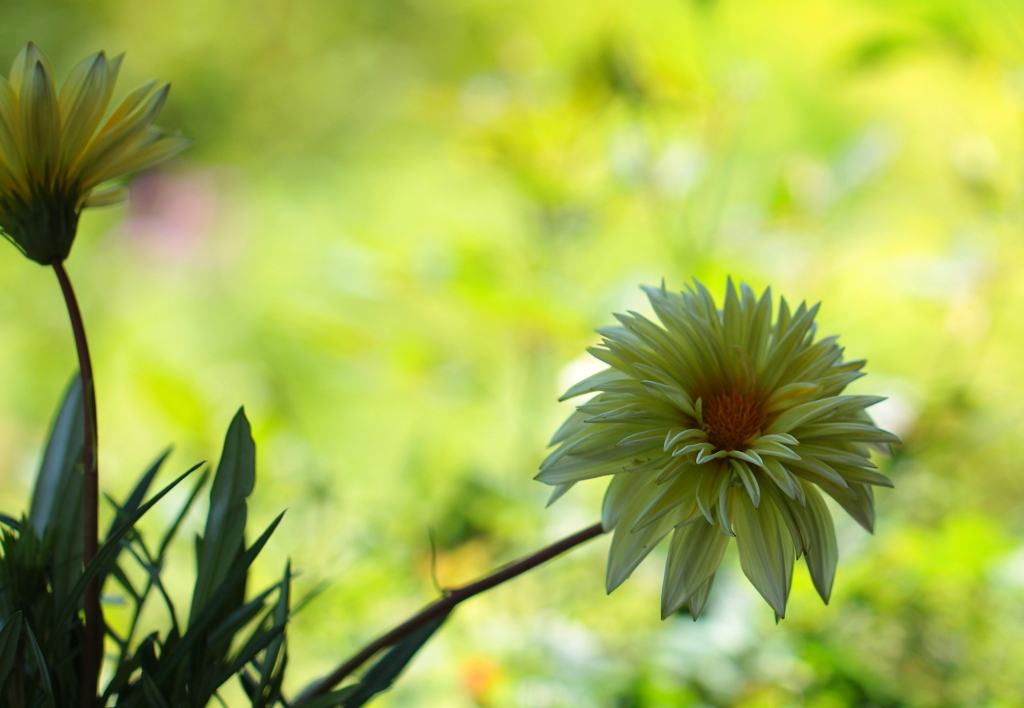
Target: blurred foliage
x=401, y=222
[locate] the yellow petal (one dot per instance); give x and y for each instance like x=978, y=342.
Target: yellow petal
x=10, y=149
x=128, y=105
x=145, y=157
x=24, y=64
x=113, y=140
x=107, y=195
x=40, y=119
x=83, y=101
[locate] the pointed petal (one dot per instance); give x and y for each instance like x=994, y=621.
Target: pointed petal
x=804, y=413
x=10, y=130
x=83, y=101
x=763, y=551
x=161, y=150
x=618, y=494
x=694, y=556
x=560, y=490
x=24, y=64
x=749, y=480
x=114, y=194
x=780, y=476
x=592, y=383
x=822, y=553
x=41, y=121
x=630, y=548
x=858, y=501
x=121, y=134
x=699, y=598
x=680, y=492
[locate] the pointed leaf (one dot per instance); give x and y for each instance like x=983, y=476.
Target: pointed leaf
x=382, y=675
x=43, y=670
x=9, y=636
x=63, y=451
x=103, y=555
x=224, y=537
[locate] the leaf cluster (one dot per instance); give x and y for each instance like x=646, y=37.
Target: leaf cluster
x=42, y=579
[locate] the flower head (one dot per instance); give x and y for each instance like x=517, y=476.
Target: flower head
x=58, y=154
x=720, y=424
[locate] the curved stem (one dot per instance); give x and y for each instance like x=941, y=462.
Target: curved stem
x=92, y=640
x=442, y=607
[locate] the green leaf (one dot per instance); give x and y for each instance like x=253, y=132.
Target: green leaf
x=103, y=556
x=332, y=699
x=224, y=537
x=173, y=528
x=56, y=510
x=239, y=618
x=152, y=692
x=213, y=610
x=41, y=667
x=382, y=675
x=10, y=522
x=272, y=669
x=63, y=452
x=126, y=668
x=9, y=636
x=253, y=647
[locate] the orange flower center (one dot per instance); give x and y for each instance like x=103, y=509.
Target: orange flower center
x=730, y=418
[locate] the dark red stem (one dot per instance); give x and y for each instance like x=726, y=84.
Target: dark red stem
x=92, y=640
x=442, y=607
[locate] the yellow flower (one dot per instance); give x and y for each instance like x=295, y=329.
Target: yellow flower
x=721, y=424
x=59, y=153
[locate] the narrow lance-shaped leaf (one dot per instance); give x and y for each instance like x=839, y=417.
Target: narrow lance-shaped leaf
x=9, y=636
x=201, y=623
x=36, y=654
x=63, y=451
x=382, y=675
x=224, y=537
x=132, y=504
x=103, y=556
x=56, y=509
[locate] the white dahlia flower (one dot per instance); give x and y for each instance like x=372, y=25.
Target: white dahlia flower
x=720, y=424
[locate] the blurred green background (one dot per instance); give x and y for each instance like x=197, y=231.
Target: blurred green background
x=392, y=240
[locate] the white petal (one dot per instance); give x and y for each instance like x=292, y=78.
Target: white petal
x=680, y=492
x=749, y=481
x=629, y=548
x=558, y=492
x=594, y=382
x=699, y=598
x=822, y=553
x=694, y=556
x=802, y=414
x=763, y=550
x=617, y=496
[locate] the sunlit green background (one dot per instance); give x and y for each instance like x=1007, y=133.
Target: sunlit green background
x=401, y=221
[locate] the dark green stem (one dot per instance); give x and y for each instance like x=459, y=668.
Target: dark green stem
x=92, y=640
x=442, y=607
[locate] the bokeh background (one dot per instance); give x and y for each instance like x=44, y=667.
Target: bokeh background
x=397, y=229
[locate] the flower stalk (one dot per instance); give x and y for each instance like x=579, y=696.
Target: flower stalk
x=93, y=634
x=443, y=606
